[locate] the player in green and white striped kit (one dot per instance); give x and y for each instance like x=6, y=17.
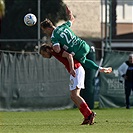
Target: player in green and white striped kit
x=63, y=37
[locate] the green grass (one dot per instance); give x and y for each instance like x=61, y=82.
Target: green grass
x=66, y=121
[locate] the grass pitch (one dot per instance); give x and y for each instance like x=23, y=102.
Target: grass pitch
x=67, y=121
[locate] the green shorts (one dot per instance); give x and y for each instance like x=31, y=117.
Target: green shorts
x=81, y=54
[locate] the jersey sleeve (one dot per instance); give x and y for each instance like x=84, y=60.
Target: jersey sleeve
x=68, y=23
x=54, y=39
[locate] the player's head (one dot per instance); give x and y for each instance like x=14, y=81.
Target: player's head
x=131, y=58
x=45, y=51
x=47, y=26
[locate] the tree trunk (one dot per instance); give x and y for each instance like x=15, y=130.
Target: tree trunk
x=114, y=17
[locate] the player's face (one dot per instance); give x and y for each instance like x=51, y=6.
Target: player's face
x=46, y=54
x=131, y=59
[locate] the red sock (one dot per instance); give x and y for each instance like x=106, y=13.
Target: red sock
x=85, y=110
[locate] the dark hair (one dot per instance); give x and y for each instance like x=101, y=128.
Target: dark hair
x=46, y=23
x=44, y=47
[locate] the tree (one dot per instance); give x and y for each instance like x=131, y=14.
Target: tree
x=13, y=26
x=2, y=11
x=114, y=4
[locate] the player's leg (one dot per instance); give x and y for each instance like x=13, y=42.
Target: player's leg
x=86, y=63
x=127, y=94
x=75, y=96
x=81, y=57
x=89, y=64
x=77, y=83
x=80, y=102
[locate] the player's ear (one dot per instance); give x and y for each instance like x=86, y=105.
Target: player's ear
x=48, y=28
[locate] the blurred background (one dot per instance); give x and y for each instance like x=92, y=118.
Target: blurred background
x=110, y=22
x=107, y=24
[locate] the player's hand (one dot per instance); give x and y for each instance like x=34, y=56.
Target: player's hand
x=70, y=14
x=73, y=73
x=68, y=11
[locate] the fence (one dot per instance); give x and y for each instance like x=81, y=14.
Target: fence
x=111, y=90
x=28, y=81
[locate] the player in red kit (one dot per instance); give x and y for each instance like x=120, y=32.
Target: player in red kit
x=76, y=80
x=77, y=76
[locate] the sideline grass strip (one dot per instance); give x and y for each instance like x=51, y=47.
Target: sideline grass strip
x=66, y=121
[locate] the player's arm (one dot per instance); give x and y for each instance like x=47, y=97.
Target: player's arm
x=70, y=15
x=71, y=62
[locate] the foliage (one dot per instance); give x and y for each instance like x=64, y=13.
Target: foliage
x=2, y=8
x=13, y=26
x=114, y=4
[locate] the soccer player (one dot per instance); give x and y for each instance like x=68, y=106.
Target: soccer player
x=63, y=37
x=126, y=73
x=76, y=80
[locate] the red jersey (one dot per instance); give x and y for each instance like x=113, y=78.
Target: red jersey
x=65, y=61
